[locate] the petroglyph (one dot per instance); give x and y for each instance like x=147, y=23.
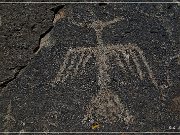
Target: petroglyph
x=9, y=119
x=107, y=107
x=175, y=105
x=169, y=80
x=78, y=57
x=84, y=54
x=102, y=52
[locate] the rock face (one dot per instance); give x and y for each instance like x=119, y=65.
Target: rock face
x=115, y=64
x=21, y=27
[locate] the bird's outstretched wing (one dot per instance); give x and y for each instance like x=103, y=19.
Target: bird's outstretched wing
x=73, y=60
x=123, y=54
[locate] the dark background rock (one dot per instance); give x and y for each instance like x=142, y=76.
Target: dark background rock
x=37, y=104
x=21, y=27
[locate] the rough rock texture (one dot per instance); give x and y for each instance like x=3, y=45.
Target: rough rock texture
x=21, y=27
x=116, y=64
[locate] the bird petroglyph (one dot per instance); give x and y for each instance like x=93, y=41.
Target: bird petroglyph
x=102, y=52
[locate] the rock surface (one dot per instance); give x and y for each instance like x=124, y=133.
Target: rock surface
x=21, y=27
x=115, y=64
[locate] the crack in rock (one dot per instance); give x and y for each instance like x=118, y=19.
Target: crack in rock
x=7, y=81
x=42, y=42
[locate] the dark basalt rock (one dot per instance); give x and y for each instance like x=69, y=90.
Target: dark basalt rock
x=130, y=54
